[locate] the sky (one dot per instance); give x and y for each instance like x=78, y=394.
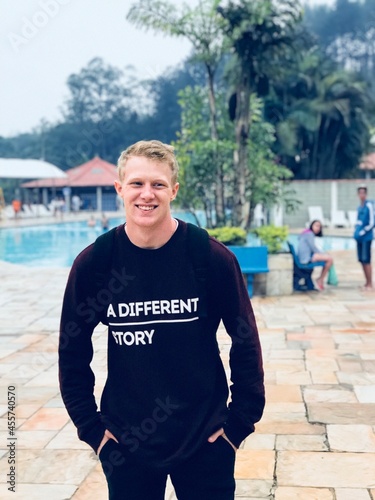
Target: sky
x=45, y=41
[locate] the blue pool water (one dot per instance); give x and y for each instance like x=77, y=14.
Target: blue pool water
x=56, y=245
x=53, y=245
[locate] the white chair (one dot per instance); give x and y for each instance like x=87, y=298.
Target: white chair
x=8, y=212
x=338, y=219
x=316, y=213
x=27, y=211
x=352, y=216
x=42, y=211
x=258, y=215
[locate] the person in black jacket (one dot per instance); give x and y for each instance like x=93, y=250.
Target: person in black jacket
x=164, y=408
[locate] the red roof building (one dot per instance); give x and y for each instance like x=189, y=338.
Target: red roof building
x=93, y=181
x=96, y=172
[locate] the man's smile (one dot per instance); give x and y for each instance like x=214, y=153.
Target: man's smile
x=146, y=208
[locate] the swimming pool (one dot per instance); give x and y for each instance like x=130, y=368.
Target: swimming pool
x=57, y=245
x=53, y=245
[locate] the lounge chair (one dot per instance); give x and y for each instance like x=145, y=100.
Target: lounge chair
x=42, y=211
x=27, y=211
x=316, y=213
x=258, y=215
x=352, y=216
x=338, y=219
x=8, y=212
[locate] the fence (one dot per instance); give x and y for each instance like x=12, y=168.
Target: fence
x=331, y=195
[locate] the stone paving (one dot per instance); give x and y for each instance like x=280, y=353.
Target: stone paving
x=315, y=441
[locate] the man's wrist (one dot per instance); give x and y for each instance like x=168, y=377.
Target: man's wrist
x=229, y=441
x=102, y=443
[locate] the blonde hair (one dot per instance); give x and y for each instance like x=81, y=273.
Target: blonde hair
x=153, y=150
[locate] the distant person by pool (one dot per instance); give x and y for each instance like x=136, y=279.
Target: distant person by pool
x=105, y=222
x=16, y=204
x=363, y=234
x=76, y=203
x=91, y=222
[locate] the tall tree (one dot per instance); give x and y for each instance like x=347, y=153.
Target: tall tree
x=163, y=119
x=261, y=34
x=202, y=27
x=346, y=33
x=321, y=114
x=197, y=152
x=97, y=92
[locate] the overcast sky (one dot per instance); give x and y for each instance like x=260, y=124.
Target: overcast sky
x=44, y=41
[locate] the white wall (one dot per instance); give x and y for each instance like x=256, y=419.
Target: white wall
x=311, y=193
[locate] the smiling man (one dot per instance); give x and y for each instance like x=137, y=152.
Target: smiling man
x=164, y=409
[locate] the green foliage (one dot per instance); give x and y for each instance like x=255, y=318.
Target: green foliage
x=272, y=236
x=268, y=179
x=201, y=25
x=322, y=115
x=198, y=153
x=96, y=93
x=229, y=235
x=345, y=33
x=262, y=35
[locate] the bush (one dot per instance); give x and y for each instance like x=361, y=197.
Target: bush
x=272, y=236
x=229, y=235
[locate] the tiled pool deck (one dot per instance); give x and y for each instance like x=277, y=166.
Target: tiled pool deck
x=315, y=441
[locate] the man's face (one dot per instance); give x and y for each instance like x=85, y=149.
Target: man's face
x=147, y=190
x=362, y=194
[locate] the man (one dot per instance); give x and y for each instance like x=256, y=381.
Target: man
x=164, y=407
x=363, y=234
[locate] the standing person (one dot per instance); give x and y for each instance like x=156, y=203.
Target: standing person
x=16, y=204
x=164, y=409
x=308, y=251
x=104, y=222
x=363, y=234
x=76, y=203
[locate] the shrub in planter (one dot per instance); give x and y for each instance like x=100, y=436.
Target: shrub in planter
x=229, y=235
x=272, y=236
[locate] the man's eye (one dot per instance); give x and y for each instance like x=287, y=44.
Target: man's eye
x=136, y=183
x=159, y=184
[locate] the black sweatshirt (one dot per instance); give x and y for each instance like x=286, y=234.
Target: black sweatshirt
x=166, y=390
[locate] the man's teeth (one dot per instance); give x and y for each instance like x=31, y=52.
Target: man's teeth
x=146, y=207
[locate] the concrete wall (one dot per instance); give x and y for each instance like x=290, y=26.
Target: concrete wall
x=330, y=195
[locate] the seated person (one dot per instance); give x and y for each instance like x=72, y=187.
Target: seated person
x=309, y=252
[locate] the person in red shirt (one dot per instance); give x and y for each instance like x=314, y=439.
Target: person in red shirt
x=16, y=204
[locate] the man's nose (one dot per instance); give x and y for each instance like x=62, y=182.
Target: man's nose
x=147, y=192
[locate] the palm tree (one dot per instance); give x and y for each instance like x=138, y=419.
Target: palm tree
x=260, y=33
x=321, y=120
x=202, y=27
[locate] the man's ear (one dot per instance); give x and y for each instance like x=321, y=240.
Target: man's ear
x=175, y=191
x=118, y=187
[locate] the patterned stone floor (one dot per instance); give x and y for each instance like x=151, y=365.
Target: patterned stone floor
x=315, y=441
